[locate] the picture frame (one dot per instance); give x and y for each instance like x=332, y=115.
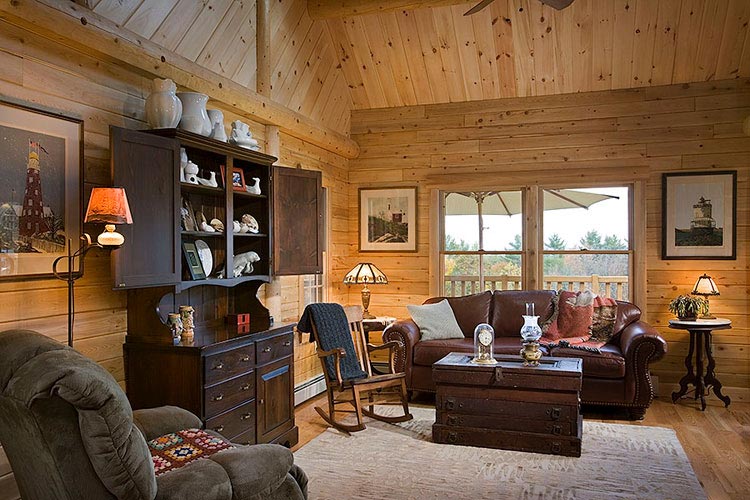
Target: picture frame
x=699, y=215
x=238, y=179
x=193, y=259
x=41, y=196
x=388, y=219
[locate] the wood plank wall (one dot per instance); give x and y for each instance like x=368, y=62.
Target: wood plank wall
x=47, y=75
x=667, y=129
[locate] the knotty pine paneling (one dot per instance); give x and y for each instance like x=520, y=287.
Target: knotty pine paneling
x=43, y=74
x=220, y=35
x=610, y=133
x=522, y=48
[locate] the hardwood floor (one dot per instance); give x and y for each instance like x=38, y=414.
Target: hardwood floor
x=716, y=441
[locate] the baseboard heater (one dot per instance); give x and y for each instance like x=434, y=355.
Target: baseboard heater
x=309, y=389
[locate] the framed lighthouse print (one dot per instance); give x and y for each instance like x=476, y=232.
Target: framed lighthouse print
x=40, y=192
x=699, y=212
x=388, y=219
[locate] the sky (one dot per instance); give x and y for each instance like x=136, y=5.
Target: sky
x=608, y=217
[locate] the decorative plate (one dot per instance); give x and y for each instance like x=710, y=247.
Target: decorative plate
x=207, y=258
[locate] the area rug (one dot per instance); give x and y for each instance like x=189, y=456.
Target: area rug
x=400, y=461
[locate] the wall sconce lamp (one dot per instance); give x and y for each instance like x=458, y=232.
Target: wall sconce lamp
x=705, y=286
x=365, y=273
x=108, y=206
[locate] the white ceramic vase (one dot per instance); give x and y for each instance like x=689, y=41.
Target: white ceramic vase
x=194, y=117
x=217, y=125
x=163, y=108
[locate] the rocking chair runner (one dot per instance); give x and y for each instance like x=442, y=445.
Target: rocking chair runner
x=347, y=369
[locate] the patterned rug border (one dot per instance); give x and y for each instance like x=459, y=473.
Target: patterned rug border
x=618, y=461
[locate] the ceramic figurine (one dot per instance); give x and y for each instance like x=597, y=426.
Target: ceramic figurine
x=186, y=315
x=191, y=173
x=194, y=116
x=241, y=135
x=255, y=187
x=202, y=224
x=251, y=223
x=163, y=108
x=183, y=163
x=217, y=125
x=175, y=326
x=217, y=225
x=236, y=226
x=243, y=263
x=211, y=181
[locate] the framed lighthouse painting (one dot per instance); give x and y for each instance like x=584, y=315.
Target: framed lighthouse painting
x=40, y=193
x=699, y=212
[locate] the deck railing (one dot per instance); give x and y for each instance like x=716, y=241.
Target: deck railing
x=615, y=287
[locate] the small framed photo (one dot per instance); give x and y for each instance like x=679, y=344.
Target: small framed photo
x=193, y=260
x=699, y=212
x=388, y=219
x=238, y=179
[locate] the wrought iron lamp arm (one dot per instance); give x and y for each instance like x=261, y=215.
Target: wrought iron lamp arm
x=71, y=276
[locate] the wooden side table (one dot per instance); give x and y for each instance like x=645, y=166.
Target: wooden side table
x=700, y=340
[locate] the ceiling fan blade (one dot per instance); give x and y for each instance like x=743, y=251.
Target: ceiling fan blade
x=481, y=5
x=557, y=4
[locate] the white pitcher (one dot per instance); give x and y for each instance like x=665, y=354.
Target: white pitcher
x=163, y=108
x=194, y=116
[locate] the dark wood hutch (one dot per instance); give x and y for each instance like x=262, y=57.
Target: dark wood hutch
x=240, y=382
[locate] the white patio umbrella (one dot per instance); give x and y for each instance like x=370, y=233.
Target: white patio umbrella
x=511, y=202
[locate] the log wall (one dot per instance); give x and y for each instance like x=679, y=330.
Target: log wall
x=42, y=74
x=569, y=138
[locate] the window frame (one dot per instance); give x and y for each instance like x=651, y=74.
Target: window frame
x=532, y=255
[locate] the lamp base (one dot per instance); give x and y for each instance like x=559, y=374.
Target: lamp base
x=367, y=315
x=366, y=303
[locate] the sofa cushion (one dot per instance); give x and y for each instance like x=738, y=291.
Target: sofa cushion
x=435, y=321
x=508, y=307
x=575, y=312
x=609, y=363
x=427, y=352
x=469, y=310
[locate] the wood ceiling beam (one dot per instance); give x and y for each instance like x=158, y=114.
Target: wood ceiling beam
x=324, y=9
x=70, y=24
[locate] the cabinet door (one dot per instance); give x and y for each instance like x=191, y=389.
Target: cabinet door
x=146, y=166
x=297, y=221
x=275, y=397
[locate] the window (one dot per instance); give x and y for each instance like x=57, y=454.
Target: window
x=587, y=247
x=482, y=247
x=537, y=237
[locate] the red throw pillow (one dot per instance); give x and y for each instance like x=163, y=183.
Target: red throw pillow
x=573, y=320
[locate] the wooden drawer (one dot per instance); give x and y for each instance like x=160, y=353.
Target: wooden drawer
x=226, y=395
x=507, y=410
x=274, y=348
x=228, y=364
x=509, y=440
x=245, y=438
x=518, y=422
x=234, y=422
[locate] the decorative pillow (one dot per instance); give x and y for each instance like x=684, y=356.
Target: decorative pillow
x=177, y=449
x=436, y=321
x=575, y=311
x=603, y=323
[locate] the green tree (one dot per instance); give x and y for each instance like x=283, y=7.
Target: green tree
x=554, y=264
x=592, y=240
x=612, y=242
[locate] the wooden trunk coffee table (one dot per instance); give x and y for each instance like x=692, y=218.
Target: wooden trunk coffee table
x=508, y=405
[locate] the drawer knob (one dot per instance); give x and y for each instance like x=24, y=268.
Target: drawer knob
x=219, y=428
x=219, y=397
x=246, y=387
x=219, y=366
x=554, y=413
x=246, y=416
x=287, y=343
x=556, y=430
x=245, y=359
x=267, y=349
x=452, y=437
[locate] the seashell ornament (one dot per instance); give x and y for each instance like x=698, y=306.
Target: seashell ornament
x=217, y=225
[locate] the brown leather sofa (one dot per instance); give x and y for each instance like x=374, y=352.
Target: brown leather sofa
x=617, y=376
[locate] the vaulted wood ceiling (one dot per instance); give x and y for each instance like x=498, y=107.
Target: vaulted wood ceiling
x=513, y=48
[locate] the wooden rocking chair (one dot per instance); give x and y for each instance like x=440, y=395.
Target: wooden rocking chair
x=347, y=369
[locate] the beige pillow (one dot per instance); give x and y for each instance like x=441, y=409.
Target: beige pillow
x=436, y=321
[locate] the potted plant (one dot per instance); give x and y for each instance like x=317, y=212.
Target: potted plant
x=688, y=308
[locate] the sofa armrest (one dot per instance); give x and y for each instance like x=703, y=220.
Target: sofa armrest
x=155, y=422
x=641, y=344
x=638, y=332
x=406, y=332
